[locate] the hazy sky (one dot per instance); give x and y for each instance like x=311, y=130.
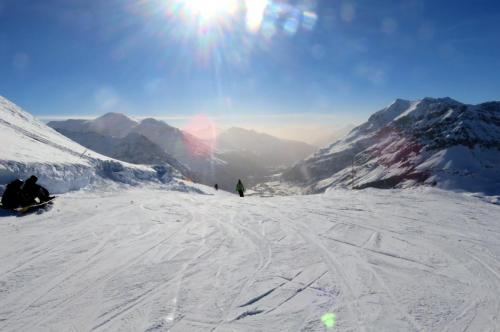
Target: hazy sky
x=263, y=64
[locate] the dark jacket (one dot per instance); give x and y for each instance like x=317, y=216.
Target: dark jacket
x=11, y=197
x=30, y=191
x=240, y=187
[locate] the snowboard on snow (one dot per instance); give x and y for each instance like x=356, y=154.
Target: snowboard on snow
x=25, y=209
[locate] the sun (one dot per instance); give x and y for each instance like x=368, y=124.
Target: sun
x=211, y=10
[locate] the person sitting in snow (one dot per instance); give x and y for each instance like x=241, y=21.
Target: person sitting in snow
x=32, y=193
x=11, y=197
x=240, y=188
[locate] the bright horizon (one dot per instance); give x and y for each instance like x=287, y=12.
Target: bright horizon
x=314, y=129
x=294, y=69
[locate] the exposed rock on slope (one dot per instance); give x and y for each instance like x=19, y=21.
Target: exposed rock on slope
x=431, y=141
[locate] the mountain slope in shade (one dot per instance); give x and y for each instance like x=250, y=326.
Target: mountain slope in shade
x=268, y=150
x=241, y=154
x=110, y=124
x=172, y=140
x=204, y=164
x=438, y=142
x=31, y=147
x=133, y=148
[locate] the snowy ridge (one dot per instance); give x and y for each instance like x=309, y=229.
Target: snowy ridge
x=439, y=142
x=31, y=147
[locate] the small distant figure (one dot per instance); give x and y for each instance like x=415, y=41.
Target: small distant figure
x=240, y=188
x=216, y=186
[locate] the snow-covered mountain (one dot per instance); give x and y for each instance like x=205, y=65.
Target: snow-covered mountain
x=267, y=150
x=439, y=142
x=173, y=141
x=246, y=156
x=31, y=147
x=133, y=148
x=180, y=146
x=110, y=124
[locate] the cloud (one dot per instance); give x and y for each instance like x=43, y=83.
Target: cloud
x=21, y=61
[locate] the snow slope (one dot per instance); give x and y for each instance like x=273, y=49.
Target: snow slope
x=155, y=260
x=430, y=141
x=30, y=147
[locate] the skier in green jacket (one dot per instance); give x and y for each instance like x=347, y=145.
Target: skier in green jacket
x=240, y=188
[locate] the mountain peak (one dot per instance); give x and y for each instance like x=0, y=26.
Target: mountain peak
x=389, y=113
x=444, y=100
x=113, y=124
x=113, y=115
x=399, y=102
x=154, y=122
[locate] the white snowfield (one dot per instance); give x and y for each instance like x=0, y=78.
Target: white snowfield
x=150, y=260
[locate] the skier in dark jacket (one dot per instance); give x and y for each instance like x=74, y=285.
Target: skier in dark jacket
x=240, y=188
x=11, y=198
x=32, y=193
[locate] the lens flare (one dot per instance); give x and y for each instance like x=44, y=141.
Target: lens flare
x=203, y=128
x=329, y=320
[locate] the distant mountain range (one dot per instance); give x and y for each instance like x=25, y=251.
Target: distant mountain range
x=133, y=148
x=267, y=150
x=238, y=154
x=436, y=142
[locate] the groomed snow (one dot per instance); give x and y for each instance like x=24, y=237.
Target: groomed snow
x=146, y=259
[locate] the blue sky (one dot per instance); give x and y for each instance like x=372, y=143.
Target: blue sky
x=339, y=59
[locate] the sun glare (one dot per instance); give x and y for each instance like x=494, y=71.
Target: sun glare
x=223, y=29
x=255, y=13
x=209, y=10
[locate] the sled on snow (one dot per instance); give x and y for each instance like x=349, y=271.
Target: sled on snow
x=31, y=207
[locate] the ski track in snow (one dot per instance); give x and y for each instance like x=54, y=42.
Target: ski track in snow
x=150, y=260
